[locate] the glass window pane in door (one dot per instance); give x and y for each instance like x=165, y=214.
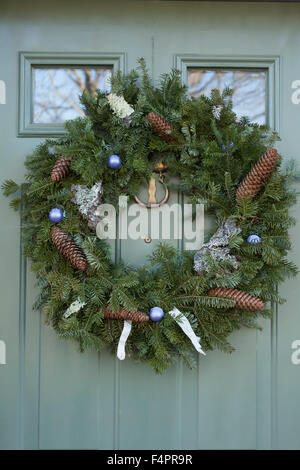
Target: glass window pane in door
x=56, y=90
x=248, y=85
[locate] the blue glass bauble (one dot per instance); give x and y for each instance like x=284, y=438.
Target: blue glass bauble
x=56, y=215
x=114, y=162
x=230, y=145
x=156, y=314
x=253, y=239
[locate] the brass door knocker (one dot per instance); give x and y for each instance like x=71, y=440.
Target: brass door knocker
x=152, y=201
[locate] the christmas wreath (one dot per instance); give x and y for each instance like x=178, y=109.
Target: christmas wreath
x=177, y=299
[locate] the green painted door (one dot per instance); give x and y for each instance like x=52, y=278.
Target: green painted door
x=51, y=396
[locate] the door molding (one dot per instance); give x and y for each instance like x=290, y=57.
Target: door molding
x=273, y=66
x=115, y=60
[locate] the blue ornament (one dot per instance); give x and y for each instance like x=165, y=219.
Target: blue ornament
x=114, y=162
x=253, y=239
x=230, y=145
x=56, y=215
x=156, y=314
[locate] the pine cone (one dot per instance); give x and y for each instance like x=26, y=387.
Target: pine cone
x=161, y=125
x=68, y=248
x=242, y=299
x=124, y=314
x=61, y=168
x=252, y=183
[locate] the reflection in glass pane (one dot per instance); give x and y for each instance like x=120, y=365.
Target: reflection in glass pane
x=56, y=91
x=249, y=89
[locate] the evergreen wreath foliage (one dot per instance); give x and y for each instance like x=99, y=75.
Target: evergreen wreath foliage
x=210, y=170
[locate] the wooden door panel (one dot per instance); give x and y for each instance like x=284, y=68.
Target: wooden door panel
x=54, y=397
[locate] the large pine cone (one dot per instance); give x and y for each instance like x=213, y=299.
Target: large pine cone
x=61, y=168
x=242, y=299
x=68, y=248
x=161, y=125
x=252, y=183
x=124, y=314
